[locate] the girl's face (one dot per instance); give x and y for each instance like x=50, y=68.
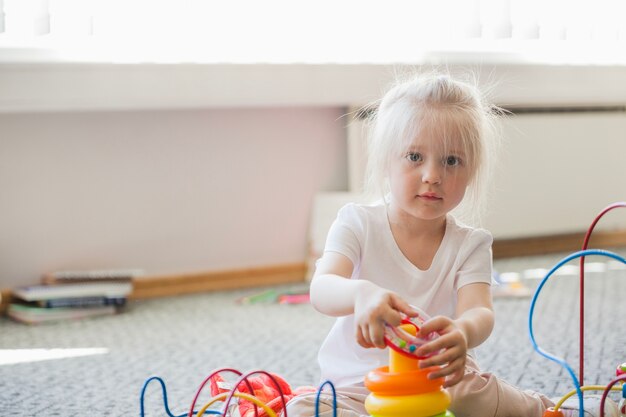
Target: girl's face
x=430, y=177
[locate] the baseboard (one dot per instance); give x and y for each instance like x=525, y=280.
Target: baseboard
x=168, y=285
x=6, y=299
x=569, y=242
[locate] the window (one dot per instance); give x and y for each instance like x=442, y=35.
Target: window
x=321, y=31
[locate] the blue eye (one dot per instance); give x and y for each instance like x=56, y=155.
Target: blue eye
x=414, y=156
x=452, y=161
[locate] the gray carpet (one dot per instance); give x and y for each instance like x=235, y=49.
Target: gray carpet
x=182, y=339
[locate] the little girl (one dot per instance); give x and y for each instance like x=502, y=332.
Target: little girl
x=430, y=147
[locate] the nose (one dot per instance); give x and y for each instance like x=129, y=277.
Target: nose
x=431, y=173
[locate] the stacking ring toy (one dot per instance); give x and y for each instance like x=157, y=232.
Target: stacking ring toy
x=404, y=342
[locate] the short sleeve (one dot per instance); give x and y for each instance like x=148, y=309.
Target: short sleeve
x=478, y=261
x=343, y=234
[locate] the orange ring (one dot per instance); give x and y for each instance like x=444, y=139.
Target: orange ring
x=383, y=382
x=551, y=412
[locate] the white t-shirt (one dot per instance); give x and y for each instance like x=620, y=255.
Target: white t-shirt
x=362, y=234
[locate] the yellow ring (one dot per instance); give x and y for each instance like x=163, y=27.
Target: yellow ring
x=383, y=382
x=446, y=414
x=248, y=397
x=421, y=405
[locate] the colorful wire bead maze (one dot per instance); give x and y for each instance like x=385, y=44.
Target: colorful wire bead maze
x=579, y=384
x=254, y=394
x=402, y=389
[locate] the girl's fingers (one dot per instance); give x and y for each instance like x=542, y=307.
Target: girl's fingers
x=359, y=338
x=392, y=317
x=429, y=348
x=443, y=358
x=453, y=368
x=436, y=324
x=370, y=336
x=362, y=337
x=404, y=307
x=377, y=336
x=440, y=343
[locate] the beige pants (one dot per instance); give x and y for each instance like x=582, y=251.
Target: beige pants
x=479, y=394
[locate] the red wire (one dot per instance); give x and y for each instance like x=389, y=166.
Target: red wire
x=581, y=348
x=244, y=378
x=606, y=392
x=208, y=378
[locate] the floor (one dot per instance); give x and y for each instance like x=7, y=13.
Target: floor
x=182, y=339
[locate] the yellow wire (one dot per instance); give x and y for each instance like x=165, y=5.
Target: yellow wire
x=585, y=388
x=248, y=397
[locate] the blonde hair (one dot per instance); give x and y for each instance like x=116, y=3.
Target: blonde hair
x=448, y=107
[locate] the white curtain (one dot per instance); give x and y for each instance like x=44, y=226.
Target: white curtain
x=387, y=26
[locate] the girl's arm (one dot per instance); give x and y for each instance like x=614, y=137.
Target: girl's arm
x=473, y=325
x=335, y=294
x=474, y=311
x=332, y=292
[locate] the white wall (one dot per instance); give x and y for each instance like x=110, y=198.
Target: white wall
x=167, y=191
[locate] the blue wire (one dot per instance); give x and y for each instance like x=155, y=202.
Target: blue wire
x=542, y=352
x=164, y=390
x=319, y=393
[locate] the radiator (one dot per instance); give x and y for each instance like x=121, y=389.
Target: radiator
x=559, y=167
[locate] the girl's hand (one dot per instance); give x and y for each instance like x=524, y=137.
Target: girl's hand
x=452, y=342
x=373, y=307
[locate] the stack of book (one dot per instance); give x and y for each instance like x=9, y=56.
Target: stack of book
x=72, y=295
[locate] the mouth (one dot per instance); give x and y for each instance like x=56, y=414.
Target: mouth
x=429, y=197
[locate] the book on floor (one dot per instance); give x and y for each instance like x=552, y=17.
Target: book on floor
x=33, y=315
x=84, y=289
x=82, y=302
